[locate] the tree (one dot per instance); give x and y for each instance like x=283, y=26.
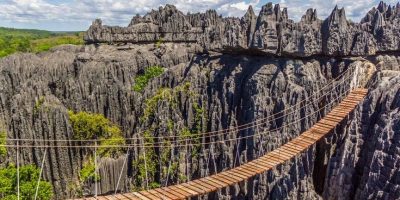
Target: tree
x=29, y=175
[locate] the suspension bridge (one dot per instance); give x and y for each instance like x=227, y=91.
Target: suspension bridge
x=339, y=98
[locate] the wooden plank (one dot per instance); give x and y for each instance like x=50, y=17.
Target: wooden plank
x=219, y=183
x=160, y=195
x=340, y=112
x=197, y=184
x=306, y=142
x=334, y=118
x=276, y=161
x=310, y=136
x=328, y=122
x=141, y=196
x=149, y=195
x=326, y=126
x=120, y=196
x=101, y=198
x=223, y=179
x=267, y=163
x=176, y=193
x=323, y=127
x=217, y=178
x=171, y=196
x=244, y=171
x=188, y=190
x=131, y=196
x=257, y=168
x=206, y=184
x=354, y=100
x=318, y=131
x=178, y=190
x=301, y=142
x=220, y=179
x=290, y=149
x=349, y=106
x=296, y=146
x=282, y=157
x=232, y=178
x=241, y=176
x=198, y=190
x=211, y=183
x=283, y=151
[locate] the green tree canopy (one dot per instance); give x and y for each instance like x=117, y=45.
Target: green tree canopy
x=29, y=175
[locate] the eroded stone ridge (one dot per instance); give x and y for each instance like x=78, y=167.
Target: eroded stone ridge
x=270, y=32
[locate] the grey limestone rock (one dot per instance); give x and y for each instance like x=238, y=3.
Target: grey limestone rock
x=271, y=32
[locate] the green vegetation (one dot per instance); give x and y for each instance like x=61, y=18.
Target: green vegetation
x=87, y=172
x=89, y=126
x=29, y=175
x=95, y=126
x=25, y=40
x=159, y=42
x=163, y=94
x=164, y=161
x=45, y=44
x=141, y=81
x=151, y=103
x=38, y=104
x=146, y=163
x=3, y=139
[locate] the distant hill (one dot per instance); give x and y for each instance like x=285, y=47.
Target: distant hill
x=31, y=40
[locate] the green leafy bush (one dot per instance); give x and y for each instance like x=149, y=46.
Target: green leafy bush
x=29, y=175
x=95, y=126
x=147, y=163
x=141, y=81
x=88, y=173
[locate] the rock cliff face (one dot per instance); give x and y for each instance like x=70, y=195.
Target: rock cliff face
x=206, y=91
x=271, y=32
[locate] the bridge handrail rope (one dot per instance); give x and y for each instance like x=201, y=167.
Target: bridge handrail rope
x=309, y=115
x=204, y=134
x=342, y=95
x=160, y=146
x=203, y=143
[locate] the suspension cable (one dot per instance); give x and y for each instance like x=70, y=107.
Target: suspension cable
x=240, y=127
x=189, y=138
x=40, y=174
x=161, y=146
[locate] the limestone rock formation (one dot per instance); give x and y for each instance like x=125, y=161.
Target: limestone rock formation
x=271, y=32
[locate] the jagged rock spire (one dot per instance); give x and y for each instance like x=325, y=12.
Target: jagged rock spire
x=310, y=16
x=269, y=32
x=338, y=18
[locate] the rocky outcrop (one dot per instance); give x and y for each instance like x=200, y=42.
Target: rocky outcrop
x=271, y=32
x=366, y=162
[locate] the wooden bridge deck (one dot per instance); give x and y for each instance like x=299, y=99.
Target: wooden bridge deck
x=267, y=162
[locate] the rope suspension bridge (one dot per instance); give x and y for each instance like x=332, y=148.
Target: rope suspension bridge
x=339, y=98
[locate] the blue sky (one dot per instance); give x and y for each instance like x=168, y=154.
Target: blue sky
x=77, y=15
